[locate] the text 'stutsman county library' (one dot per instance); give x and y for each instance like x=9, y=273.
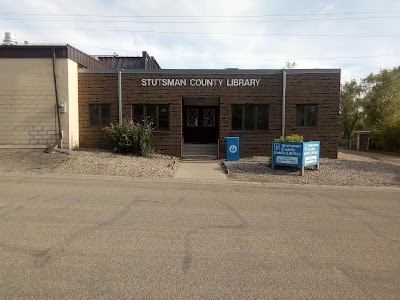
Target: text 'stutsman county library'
x=53, y=91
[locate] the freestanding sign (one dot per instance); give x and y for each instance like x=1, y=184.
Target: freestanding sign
x=232, y=148
x=311, y=153
x=296, y=154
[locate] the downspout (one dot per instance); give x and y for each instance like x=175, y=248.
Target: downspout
x=60, y=133
x=283, y=102
x=120, y=96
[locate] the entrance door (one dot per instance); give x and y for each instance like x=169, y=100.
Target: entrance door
x=200, y=124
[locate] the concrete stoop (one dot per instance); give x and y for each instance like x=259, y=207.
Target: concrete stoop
x=200, y=151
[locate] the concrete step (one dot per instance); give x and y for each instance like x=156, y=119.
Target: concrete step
x=200, y=151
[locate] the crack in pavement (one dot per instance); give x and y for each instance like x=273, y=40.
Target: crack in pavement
x=44, y=256
x=187, y=244
x=19, y=207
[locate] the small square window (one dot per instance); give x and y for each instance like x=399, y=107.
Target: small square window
x=99, y=114
x=306, y=115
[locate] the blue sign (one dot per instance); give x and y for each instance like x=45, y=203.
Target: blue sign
x=311, y=153
x=295, y=154
x=232, y=148
x=287, y=154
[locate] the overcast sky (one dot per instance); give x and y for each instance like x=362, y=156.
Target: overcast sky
x=359, y=37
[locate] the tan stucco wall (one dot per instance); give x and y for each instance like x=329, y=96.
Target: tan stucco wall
x=72, y=109
x=28, y=113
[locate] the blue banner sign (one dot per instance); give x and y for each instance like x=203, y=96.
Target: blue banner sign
x=311, y=153
x=295, y=154
x=287, y=154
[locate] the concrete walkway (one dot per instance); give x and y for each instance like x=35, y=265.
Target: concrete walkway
x=389, y=159
x=201, y=169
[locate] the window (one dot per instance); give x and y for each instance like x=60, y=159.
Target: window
x=99, y=114
x=159, y=114
x=306, y=115
x=249, y=117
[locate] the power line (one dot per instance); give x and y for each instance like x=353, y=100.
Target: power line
x=201, y=22
x=211, y=33
x=249, y=58
x=202, y=16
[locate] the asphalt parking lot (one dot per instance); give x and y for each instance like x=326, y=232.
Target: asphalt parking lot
x=79, y=237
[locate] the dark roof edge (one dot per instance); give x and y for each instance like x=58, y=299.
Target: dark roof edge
x=45, y=51
x=215, y=71
x=83, y=58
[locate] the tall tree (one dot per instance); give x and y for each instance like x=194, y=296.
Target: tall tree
x=350, y=108
x=382, y=98
x=382, y=108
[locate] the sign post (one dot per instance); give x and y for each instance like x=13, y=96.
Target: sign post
x=296, y=154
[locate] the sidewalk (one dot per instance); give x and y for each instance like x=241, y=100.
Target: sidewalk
x=389, y=159
x=201, y=169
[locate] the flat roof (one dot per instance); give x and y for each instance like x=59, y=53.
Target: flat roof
x=46, y=51
x=214, y=71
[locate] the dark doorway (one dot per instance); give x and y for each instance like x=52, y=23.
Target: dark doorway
x=200, y=124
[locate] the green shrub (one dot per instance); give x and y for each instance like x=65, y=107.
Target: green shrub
x=130, y=137
x=386, y=135
x=290, y=138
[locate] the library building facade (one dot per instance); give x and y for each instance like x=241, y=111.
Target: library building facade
x=58, y=92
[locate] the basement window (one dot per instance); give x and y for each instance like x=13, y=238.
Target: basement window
x=99, y=114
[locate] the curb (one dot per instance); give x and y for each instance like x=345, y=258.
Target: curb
x=224, y=167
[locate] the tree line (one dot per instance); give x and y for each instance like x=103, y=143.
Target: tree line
x=372, y=103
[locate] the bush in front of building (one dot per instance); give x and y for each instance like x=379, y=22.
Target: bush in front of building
x=290, y=138
x=131, y=137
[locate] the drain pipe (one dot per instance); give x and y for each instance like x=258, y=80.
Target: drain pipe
x=283, y=102
x=60, y=132
x=120, y=96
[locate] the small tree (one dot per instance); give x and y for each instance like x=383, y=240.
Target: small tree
x=350, y=111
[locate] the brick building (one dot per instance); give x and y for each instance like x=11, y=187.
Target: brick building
x=193, y=110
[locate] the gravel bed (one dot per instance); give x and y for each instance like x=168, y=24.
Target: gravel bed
x=347, y=170
x=86, y=162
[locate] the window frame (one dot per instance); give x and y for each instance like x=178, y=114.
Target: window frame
x=305, y=116
x=243, y=119
x=100, y=114
x=156, y=123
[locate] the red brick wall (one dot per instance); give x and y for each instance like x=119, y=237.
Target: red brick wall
x=96, y=89
x=317, y=88
x=324, y=91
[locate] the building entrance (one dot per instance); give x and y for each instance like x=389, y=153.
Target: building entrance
x=200, y=126
x=200, y=120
